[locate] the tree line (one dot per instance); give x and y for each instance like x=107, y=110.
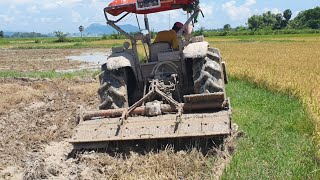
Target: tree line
x=23, y=35
x=307, y=21
x=270, y=21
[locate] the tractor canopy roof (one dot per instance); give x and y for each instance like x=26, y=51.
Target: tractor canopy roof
x=117, y=7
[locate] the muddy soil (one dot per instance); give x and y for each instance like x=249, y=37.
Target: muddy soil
x=38, y=116
x=41, y=59
x=36, y=112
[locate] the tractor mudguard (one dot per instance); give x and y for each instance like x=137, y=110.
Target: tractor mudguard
x=196, y=50
x=120, y=60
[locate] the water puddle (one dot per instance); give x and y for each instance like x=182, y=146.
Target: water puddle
x=92, y=61
x=96, y=57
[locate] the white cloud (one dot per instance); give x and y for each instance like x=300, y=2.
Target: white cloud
x=165, y=20
x=250, y=3
x=50, y=20
x=50, y=5
x=33, y=9
x=68, y=3
x=207, y=9
x=238, y=13
x=12, y=10
x=295, y=14
x=45, y=20
x=47, y=4
x=6, y=18
x=76, y=17
x=17, y=2
x=273, y=10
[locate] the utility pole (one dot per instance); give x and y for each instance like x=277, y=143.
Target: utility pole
x=169, y=21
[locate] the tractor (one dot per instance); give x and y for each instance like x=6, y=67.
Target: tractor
x=171, y=94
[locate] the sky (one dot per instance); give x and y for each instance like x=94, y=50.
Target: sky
x=46, y=16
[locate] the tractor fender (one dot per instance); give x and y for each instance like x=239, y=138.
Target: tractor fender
x=196, y=50
x=120, y=60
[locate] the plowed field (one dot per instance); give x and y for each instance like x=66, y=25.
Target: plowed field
x=38, y=116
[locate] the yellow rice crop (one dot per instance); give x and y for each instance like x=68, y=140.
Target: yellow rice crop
x=291, y=66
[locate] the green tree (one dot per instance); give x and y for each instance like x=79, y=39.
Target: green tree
x=153, y=33
x=1, y=34
x=269, y=19
x=314, y=24
x=307, y=19
x=255, y=22
x=226, y=30
x=81, y=29
x=227, y=27
x=199, y=32
x=241, y=28
x=287, y=15
x=62, y=37
x=279, y=22
x=27, y=35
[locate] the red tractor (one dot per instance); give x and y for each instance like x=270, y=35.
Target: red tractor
x=172, y=95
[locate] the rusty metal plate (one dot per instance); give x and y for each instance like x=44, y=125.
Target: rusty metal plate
x=159, y=127
x=210, y=97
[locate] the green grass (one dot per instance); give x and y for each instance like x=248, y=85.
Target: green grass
x=97, y=42
x=50, y=43
x=277, y=142
x=49, y=74
x=3, y=41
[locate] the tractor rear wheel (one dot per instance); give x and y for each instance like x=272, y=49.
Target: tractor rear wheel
x=208, y=74
x=113, y=89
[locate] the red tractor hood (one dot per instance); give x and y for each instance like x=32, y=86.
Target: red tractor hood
x=119, y=6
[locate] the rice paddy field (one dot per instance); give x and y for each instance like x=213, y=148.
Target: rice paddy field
x=275, y=95
x=289, y=64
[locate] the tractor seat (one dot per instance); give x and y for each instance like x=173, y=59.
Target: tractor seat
x=158, y=47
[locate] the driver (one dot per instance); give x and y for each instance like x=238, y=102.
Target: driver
x=170, y=36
